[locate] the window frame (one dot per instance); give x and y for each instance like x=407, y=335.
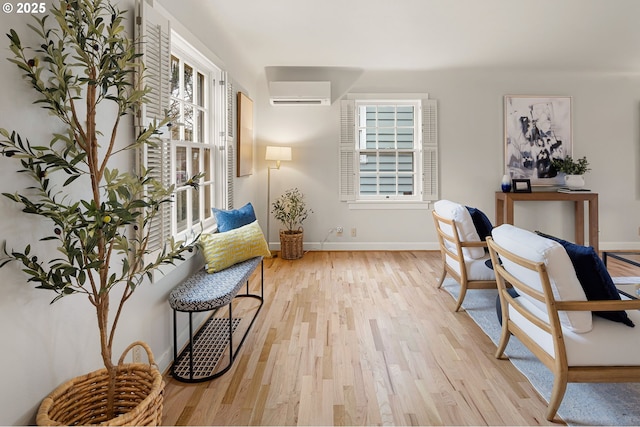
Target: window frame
x=348, y=159
x=214, y=184
x=415, y=150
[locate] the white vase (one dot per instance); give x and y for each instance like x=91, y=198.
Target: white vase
x=574, y=181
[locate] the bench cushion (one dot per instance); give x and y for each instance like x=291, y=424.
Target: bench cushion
x=222, y=250
x=203, y=291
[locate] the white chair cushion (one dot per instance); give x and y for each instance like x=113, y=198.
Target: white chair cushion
x=587, y=349
x=476, y=268
x=466, y=230
x=564, y=282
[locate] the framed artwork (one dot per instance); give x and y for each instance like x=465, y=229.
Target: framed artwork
x=245, y=136
x=521, y=186
x=537, y=129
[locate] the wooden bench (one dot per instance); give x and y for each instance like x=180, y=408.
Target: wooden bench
x=201, y=292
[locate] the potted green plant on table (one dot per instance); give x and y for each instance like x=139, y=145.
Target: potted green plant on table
x=574, y=170
x=291, y=210
x=85, y=68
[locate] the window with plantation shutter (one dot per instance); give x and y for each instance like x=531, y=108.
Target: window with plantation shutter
x=194, y=84
x=230, y=145
x=347, y=177
x=430, y=149
x=388, y=149
x=153, y=34
x=194, y=92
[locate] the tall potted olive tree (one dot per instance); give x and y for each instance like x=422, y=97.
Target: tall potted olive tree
x=86, y=67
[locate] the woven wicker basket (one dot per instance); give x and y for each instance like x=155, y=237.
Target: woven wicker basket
x=291, y=245
x=83, y=400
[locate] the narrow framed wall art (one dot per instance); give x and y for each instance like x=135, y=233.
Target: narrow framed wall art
x=245, y=135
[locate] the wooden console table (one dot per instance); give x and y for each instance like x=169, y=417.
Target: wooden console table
x=504, y=209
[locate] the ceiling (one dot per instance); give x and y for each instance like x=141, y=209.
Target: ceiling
x=586, y=35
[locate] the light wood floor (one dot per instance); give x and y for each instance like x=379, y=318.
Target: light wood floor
x=359, y=338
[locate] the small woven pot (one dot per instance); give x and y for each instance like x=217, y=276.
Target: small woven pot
x=139, y=395
x=291, y=244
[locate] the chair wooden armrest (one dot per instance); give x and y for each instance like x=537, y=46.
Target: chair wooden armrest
x=599, y=305
x=473, y=244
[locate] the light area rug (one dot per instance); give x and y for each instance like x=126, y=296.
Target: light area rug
x=626, y=280
x=583, y=404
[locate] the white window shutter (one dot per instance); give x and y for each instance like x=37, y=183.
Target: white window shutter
x=153, y=36
x=230, y=145
x=429, y=149
x=346, y=158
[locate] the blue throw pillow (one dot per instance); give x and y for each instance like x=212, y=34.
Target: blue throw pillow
x=236, y=218
x=481, y=222
x=593, y=277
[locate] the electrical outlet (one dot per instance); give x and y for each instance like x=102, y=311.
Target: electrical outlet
x=339, y=230
x=137, y=354
x=353, y=232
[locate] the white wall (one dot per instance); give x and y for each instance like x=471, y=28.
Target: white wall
x=605, y=129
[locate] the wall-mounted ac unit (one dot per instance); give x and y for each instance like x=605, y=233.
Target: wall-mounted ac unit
x=300, y=93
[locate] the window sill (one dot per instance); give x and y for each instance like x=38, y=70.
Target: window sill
x=391, y=205
x=187, y=237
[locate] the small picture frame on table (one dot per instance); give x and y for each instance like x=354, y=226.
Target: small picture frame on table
x=521, y=185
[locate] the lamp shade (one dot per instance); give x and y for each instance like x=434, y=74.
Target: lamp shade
x=278, y=153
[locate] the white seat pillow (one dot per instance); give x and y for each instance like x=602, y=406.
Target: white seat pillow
x=466, y=230
x=564, y=282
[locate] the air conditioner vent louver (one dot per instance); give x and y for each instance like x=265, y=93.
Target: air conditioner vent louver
x=300, y=93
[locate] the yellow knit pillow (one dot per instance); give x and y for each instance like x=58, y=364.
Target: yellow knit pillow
x=222, y=250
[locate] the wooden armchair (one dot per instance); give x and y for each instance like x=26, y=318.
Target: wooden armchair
x=553, y=319
x=459, y=261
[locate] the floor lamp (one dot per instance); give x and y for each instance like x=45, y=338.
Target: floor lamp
x=278, y=154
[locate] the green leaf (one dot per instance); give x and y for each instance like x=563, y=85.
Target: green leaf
x=70, y=180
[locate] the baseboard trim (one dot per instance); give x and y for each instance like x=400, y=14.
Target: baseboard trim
x=365, y=246
x=420, y=246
